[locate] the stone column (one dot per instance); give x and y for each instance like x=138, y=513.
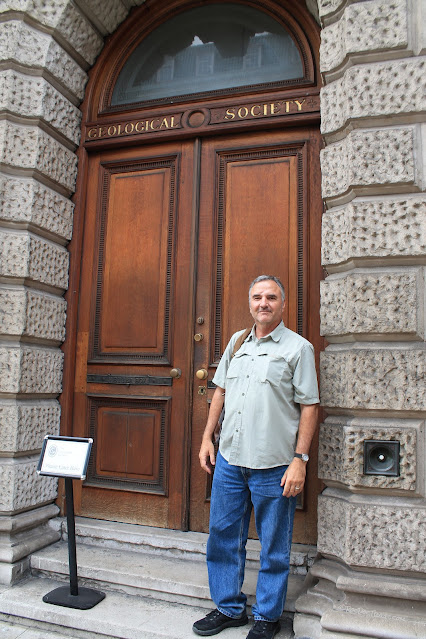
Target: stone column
x=369, y=577
x=46, y=50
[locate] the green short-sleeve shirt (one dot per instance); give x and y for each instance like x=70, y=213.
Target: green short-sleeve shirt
x=264, y=384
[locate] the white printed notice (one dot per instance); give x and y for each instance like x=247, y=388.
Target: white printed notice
x=65, y=457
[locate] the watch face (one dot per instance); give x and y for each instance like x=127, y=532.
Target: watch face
x=303, y=456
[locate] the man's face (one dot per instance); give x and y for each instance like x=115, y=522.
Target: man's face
x=266, y=304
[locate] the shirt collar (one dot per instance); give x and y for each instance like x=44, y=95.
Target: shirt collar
x=275, y=335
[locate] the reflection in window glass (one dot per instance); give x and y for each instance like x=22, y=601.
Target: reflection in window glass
x=218, y=46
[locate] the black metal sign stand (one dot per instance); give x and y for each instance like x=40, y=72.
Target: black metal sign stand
x=73, y=597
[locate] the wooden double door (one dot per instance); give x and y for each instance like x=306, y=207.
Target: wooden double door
x=173, y=235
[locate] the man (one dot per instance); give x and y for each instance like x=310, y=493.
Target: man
x=271, y=396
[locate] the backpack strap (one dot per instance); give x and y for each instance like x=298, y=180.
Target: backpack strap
x=240, y=341
x=236, y=348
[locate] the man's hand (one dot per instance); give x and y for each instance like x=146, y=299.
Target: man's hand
x=207, y=456
x=294, y=478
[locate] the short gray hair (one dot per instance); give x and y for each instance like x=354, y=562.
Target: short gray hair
x=267, y=278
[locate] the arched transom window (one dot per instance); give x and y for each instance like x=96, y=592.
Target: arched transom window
x=211, y=48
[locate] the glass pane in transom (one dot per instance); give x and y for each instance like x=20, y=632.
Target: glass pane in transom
x=210, y=48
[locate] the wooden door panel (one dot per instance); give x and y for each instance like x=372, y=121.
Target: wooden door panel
x=123, y=433
x=135, y=300
x=261, y=232
x=136, y=251
x=130, y=436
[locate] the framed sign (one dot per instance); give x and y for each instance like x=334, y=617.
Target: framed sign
x=64, y=457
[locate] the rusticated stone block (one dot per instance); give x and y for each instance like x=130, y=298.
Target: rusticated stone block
x=381, y=302
x=34, y=97
x=29, y=369
x=383, y=378
x=106, y=14
x=48, y=13
x=65, y=17
x=328, y=6
x=21, y=487
x=364, y=27
x=341, y=451
x=32, y=314
x=374, y=228
x=25, y=423
x=26, y=201
x=12, y=311
x=28, y=147
x=23, y=255
x=28, y=46
x=368, y=157
x=374, y=90
x=384, y=535
x=77, y=30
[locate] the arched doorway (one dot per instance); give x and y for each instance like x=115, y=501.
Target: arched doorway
x=183, y=199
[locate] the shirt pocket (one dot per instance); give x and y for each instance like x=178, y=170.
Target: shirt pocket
x=273, y=370
x=237, y=366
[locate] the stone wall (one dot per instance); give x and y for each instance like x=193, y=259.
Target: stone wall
x=46, y=50
x=373, y=317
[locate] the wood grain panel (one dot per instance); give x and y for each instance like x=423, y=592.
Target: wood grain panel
x=259, y=214
x=127, y=443
x=130, y=443
x=135, y=258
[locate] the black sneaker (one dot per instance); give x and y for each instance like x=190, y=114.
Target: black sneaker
x=215, y=622
x=264, y=630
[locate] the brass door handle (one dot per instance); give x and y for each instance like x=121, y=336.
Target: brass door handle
x=176, y=373
x=202, y=373
x=198, y=337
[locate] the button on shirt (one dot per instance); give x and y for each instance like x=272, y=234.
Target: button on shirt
x=264, y=384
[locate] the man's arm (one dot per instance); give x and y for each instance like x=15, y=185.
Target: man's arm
x=295, y=474
x=206, y=454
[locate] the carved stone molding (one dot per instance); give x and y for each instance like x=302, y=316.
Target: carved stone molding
x=387, y=378
x=380, y=303
x=21, y=487
x=26, y=256
x=375, y=90
x=366, y=158
x=32, y=314
x=375, y=228
x=29, y=203
x=29, y=370
x=363, y=28
x=27, y=46
x=392, y=530
x=25, y=423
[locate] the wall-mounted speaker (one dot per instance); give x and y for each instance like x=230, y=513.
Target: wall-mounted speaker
x=381, y=457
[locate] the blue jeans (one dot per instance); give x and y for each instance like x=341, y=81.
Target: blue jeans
x=235, y=490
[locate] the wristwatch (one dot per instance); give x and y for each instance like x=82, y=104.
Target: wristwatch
x=303, y=456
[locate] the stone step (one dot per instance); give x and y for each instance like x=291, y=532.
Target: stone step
x=23, y=614
x=168, y=578
x=171, y=543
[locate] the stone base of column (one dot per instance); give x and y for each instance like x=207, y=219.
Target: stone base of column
x=21, y=535
x=341, y=603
